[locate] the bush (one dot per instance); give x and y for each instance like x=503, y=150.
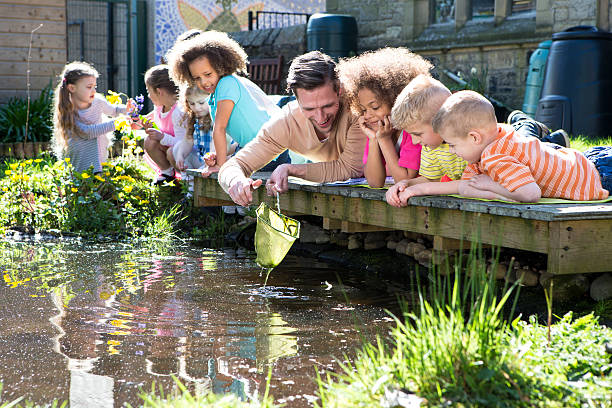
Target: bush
x=13, y=117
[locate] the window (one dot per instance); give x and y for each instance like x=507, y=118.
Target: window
x=444, y=11
x=483, y=8
x=519, y=6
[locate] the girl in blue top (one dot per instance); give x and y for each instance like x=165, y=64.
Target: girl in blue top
x=238, y=107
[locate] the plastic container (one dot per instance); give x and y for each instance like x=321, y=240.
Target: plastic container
x=535, y=78
x=333, y=34
x=577, y=89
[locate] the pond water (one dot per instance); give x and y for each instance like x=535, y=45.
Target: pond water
x=95, y=323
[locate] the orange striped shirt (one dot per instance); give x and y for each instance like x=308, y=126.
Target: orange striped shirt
x=513, y=161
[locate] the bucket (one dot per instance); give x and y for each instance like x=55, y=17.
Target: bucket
x=274, y=235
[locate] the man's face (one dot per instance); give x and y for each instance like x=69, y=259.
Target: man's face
x=320, y=105
x=423, y=134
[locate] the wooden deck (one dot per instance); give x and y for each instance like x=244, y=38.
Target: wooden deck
x=576, y=237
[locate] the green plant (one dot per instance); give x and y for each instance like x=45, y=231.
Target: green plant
x=14, y=116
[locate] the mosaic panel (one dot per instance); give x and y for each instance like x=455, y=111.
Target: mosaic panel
x=172, y=17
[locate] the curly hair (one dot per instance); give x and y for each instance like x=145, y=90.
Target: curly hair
x=225, y=55
x=385, y=72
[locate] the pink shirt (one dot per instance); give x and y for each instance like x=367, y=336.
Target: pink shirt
x=409, y=153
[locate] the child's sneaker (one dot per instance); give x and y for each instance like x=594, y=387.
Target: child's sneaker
x=164, y=178
x=559, y=137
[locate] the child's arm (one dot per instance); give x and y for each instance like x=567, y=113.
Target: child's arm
x=483, y=186
x=392, y=194
x=95, y=130
x=433, y=188
x=387, y=148
x=374, y=169
x=224, y=110
x=183, y=149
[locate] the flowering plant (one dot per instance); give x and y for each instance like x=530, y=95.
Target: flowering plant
x=124, y=124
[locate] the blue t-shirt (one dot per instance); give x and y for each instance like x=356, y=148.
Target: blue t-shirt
x=246, y=118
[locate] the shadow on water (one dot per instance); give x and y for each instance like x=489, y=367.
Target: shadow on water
x=94, y=324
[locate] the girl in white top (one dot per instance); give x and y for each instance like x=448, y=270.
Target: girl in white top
x=82, y=130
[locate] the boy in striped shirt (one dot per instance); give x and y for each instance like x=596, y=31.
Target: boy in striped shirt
x=502, y=164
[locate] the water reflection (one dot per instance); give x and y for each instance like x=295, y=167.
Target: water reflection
x=93, y=324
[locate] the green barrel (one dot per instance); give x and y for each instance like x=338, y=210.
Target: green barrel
x=535, y=78
x=333, y=34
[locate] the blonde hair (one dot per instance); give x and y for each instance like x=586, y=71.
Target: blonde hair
x=64, y=111
x=190, y=117
x=463, y=112
x=418, y=102
x=385, y=72
x=225, y=55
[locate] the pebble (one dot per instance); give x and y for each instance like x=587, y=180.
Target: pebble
x=601, y=287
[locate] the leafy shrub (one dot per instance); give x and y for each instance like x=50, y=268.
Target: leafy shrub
x=13, y=117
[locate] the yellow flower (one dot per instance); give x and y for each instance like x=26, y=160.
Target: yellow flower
x=99, y=178
x=85, y=175
x=67, y=159
x=113, y=98
x=29, y=161
x=106, y=173
x=122, y=125
x=13, y=166
x=25, y=177
x=119, y=169
x=5, y=189
x=104, y=164
x=74, y=190
x=37, y=160
x=144, y=201
x=137, y=197
x=128, y=189
x=113, y=342
x=8, y=172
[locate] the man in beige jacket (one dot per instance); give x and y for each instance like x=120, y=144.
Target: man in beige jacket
x=317, y=125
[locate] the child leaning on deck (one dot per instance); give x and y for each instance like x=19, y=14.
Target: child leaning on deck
x=503, y=164
x=413, y=112
x=371, y=83
x=82, y=130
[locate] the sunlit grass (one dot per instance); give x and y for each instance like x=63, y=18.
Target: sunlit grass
x=581, y=143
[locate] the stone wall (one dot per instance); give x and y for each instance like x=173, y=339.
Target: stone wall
x=288, y=42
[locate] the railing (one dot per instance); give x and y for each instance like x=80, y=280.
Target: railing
x=275, y=19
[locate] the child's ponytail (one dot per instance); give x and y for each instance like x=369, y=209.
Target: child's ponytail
x=64, y=111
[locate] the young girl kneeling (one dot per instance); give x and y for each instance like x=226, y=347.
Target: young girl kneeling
x=168, y=116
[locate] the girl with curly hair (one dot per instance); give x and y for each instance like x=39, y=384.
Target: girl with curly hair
x=214, y=62
x=372, y=82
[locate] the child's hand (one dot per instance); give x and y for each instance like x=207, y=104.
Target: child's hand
x=385, y=129
x=210, y=159
x=482, y=182
x=154, y=134
x=392, y=194
x=130, y=106
x=180, y=163
x=408, y=192
x=365, y=129
x=206, y=171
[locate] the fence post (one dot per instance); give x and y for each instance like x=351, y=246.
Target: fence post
x=250, y=20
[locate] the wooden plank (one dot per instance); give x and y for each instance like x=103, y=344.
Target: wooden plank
x=57, y=3
x=26, y=26
x=331, y=223
x=20, y=68
x=444, y=244
x=34, y=13
x=38, y=55
x=16, y=40
x=212, y=202
x=9, y=82
x=350, y=227
x=580, y=246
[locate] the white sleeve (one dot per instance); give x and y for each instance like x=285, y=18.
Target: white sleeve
x=180, y=128
x=108, y=108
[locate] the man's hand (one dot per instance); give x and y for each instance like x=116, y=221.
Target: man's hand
x=279, y=180
x=241, y=191
x=392, y=194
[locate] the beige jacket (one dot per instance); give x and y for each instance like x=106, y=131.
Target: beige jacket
x=339, y=157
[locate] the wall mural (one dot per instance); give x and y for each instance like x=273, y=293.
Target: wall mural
x=172, y=17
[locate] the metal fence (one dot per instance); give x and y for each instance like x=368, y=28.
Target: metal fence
x=275, y=19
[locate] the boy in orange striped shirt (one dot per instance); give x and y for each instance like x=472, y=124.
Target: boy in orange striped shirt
x=502, y=164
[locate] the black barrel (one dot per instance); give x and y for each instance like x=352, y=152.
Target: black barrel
x=333, y=34
x=577, y=90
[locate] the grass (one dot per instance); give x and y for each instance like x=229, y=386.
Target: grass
x=581, y=143
x=456, y=349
